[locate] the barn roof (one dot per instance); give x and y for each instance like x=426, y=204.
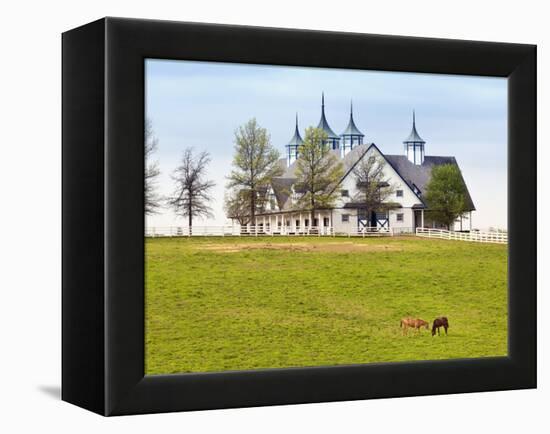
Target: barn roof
x=282, y=189
x=418, y=175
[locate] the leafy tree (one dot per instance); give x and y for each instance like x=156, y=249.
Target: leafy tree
x=152, y=172
x=237, y=205
x=255, y=163
x=372, y=187
x=318, y=172
x=446, y=194
x=192, y=192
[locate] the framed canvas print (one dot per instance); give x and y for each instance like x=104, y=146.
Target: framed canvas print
x=257, y=216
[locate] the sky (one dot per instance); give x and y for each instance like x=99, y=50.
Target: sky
x=201, y=104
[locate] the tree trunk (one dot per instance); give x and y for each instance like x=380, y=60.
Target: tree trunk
x=190, y=219
x=312, y=212
x=253, y=209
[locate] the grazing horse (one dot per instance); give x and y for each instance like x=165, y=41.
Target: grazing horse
x=413, y=323
x=438, y=322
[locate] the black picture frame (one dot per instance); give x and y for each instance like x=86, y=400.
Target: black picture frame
x=103, y=218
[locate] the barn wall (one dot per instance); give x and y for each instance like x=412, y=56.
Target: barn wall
x=340, y=226
x=408, y=218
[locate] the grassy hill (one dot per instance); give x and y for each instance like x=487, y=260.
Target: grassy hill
x=216, y=304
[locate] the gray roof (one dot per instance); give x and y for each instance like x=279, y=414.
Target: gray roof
x=282, y=185
x=296, y=138
x=413, y=174
x=323, y=124
x=282, y=189
x=413, y=136
x=418, y=175
x=353, y=156
x=282, y=162
x=290, y=171
x=352, y=130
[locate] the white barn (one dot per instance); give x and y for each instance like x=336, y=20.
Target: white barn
x=408, y=174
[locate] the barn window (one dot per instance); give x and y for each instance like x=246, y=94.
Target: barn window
x=345, y=193
x=345, y=218
x=399, y=193
x=399, y=217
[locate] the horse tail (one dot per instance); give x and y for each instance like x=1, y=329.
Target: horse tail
x=401, y=324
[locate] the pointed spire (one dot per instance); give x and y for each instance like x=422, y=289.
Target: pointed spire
x=414, y=145
x=352, y=129
x=323, y=124
x=413, y=136
x=296, y=139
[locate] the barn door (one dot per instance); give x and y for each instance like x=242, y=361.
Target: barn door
x=381, y=220
x=362, y=220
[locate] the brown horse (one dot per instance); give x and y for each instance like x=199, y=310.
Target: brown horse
x=440, y=322
x=413, y=323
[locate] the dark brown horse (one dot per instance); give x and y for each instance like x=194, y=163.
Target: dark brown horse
x=440, y=322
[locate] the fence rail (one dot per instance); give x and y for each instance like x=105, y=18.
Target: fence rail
x=320, y=231
x=255, y=231
x=473, y=236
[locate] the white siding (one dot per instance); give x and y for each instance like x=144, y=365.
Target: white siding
x=408, y=218
x=340, y=226
x=407, y=200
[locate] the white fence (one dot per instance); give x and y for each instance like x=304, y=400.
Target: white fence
x=255, y=231
x=474, y=236
x=319, y=231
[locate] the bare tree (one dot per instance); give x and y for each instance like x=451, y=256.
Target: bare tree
x=372, y=187
x=192, y=193
x=152, y=172
x=254, y=165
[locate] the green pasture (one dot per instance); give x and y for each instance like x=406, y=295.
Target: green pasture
x=216, y=304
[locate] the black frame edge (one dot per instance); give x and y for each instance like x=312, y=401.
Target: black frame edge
x=126, y=390
x=522, y=227
x=82, y=217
